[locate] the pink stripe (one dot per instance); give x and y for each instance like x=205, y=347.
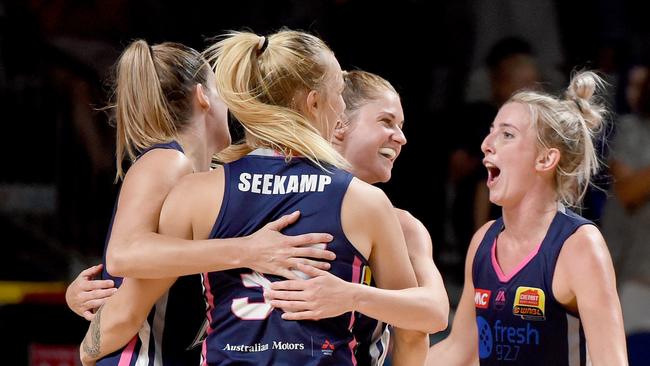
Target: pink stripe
x=210, y=298
x=352, y=345
x=356, y=278
x=127, y=353
x=497, y=268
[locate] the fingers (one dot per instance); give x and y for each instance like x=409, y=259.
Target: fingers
x=311, y=238
x=92, y=271
x=96, y=285
x=273, y=295
x=301, y=315
x=283, y=221
x=290, y=306
x=311, y=264
x=314, y=253
x=291, y=285
x=312, y=270
x=88, y=315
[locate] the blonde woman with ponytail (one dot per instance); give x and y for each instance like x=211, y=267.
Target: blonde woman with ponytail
x=285, y=89
x=539, y=282
x=170, y=121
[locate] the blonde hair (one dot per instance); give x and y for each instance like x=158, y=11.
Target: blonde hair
x=261, y=79
x=569, y=124
x=153, y=95
x=362, y=87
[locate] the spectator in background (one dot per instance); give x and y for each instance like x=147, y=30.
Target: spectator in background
x=512, y=66
x=627, y=212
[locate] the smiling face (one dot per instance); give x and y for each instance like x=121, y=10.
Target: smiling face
x=510, y=151
x=373, y=137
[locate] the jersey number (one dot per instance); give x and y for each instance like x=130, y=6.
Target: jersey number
x=244, y=308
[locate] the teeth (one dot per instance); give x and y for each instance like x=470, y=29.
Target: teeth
x=388, y=152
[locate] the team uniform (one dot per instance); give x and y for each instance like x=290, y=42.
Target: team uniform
x=373, y=337
x=174, y=328
x=519, y=320
x=246, y=330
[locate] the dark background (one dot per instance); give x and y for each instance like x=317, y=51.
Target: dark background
x=56, y=180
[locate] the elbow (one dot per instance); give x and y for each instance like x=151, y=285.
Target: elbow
x=116, y=263
x=438, y=317
x=408, y=337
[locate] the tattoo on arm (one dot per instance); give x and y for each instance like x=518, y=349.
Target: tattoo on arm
x=92, y=340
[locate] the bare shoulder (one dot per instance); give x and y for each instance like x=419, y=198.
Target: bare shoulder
x=161, y=162
x=198, y=185
x=367, y=195
x=410, y=224
x=585, y=250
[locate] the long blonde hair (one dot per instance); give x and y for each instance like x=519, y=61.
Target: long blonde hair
x=153, y=95
x=260, y=80
x=569, y=124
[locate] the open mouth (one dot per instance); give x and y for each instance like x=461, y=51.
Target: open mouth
x=388, y=153
x=493, y=174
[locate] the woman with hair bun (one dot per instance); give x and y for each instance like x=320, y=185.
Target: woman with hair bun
x=539, y=282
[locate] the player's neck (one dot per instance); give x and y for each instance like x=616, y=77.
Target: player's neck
x=528, y=221
x=195, y=146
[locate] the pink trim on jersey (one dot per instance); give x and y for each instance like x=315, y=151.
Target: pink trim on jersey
x=210, y=299
x=127, y=353
x=356, y=278
x=497, y=268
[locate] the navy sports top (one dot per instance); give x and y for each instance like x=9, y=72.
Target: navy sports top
x=519, y=320
x=246, y=330
x=175, y=325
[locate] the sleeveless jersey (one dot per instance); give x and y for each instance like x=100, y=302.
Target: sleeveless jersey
x=519, y=320
x=175, y=325
x=246, y=330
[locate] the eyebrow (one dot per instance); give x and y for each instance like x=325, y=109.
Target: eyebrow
x=504, y=124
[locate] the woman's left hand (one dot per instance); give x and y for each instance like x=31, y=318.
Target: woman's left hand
x=322, y=296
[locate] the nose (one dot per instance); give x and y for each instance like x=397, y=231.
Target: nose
x=398, y=136
x=487, y=145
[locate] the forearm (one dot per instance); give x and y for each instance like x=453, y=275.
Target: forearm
x=447, y=352
x=155, y=256
x=412, y=308
x=410, y=347
x=107, y=333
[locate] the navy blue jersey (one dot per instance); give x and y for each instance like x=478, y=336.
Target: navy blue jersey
x=246, y=330
x=372, y=335
x=175, y=325
x=519, y=320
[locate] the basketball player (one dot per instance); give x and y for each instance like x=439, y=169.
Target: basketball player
x=371, y=140
x=171, y=118
x=539, y=282
x=286, y=91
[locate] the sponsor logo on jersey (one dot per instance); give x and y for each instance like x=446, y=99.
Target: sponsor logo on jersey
x=246, y=348
x=529, y=303
x=503, y=342
x=482, y=298
x=282, y=184
x=261, y=347
x=500, y=299
x=327, y=348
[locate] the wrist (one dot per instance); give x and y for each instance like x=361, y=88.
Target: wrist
x=354, y=292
